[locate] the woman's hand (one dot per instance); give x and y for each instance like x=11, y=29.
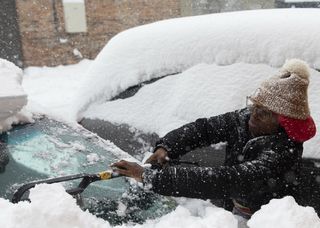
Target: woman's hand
x=129, y=169
x=160, y=156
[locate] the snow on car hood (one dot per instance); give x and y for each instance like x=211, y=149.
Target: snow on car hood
x=171, y=46
x=12, y=95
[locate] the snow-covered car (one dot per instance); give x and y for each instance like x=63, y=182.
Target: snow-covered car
x=154, y=78
x=48, y=148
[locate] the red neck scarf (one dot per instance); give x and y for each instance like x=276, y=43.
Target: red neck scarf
x=298, y=130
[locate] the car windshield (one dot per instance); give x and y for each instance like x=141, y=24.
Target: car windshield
x=48, y=148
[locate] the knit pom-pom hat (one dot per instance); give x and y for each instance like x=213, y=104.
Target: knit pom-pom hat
x=287, y=92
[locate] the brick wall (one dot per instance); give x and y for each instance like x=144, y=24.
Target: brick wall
x=45, y=42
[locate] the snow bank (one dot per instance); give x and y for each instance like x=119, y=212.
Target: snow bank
x=52, y=207
x=202, y=91
x=171, y=46
x=182, y=217
x=12, y=96
x=284, y=213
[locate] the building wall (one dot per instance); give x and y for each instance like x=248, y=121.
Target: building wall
x=45, y=42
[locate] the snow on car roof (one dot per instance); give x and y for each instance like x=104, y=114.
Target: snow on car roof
x=222, y=57
x=170, y=46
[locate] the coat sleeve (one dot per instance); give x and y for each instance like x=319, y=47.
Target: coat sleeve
x=219, y=182
x=202, y=132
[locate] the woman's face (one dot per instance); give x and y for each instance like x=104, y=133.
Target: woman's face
x=262, y=121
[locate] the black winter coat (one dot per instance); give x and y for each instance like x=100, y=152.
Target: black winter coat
x=255, y=171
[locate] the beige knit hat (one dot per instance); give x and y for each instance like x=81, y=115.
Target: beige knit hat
x=287, y=92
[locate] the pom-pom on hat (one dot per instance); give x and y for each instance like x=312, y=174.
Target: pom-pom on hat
x=287, y=92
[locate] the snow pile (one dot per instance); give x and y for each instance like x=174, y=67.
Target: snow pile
x=196, y=213
x=59, y=209
x=202, y=91
x=171, y=46
x=52, y=90
x=52, y=207
x=12, y=96
x=182, y=217
x=284, y=213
